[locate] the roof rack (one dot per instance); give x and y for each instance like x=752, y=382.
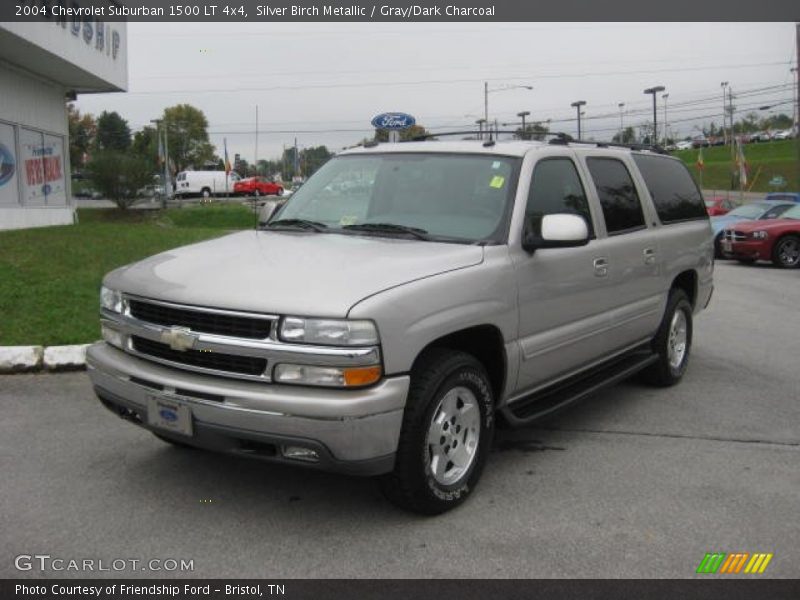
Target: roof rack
x=557, y=137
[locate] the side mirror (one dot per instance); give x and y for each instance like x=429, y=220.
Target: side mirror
x=558, y=231
x=269, y=209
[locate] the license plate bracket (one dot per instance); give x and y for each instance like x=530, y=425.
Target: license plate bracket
x=169, y=413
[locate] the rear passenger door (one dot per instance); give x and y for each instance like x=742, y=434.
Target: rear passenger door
x=633, y=261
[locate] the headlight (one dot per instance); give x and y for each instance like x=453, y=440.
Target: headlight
x=759, y=235
x=326, y=376
x=330, y=332
x=110, y=299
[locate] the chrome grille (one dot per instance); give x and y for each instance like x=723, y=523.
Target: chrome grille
x=216, y=322
x=734, y=236
x=245, y=365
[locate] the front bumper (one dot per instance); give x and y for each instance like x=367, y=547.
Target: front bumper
x=352, y=431
x=750, y=249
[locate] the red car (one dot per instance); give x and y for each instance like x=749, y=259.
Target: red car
x=777, y=240
x=718, y=205
x=257, y=186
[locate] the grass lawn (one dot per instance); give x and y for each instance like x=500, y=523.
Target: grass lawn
x=766, y=160
x=50, y=277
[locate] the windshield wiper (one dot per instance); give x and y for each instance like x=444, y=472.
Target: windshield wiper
x=297, y=223
x=418, y=233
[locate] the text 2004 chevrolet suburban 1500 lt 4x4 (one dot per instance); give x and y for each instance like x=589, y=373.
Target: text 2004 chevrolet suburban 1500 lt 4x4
x=404, y=298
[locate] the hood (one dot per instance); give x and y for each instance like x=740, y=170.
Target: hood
x=307, y=274
x=721, y=222
x=766, y=224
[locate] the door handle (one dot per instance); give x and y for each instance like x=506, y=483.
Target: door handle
x=649, y=256
x=600, y=267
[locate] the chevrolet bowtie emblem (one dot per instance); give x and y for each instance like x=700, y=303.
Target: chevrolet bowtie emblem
x=179, y=338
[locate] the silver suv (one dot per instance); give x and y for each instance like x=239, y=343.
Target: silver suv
x=404, y=299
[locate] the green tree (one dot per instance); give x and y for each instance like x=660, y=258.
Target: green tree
x=113, y=132
x=145, y=144
x=82, y=131
x=628, y=136
x=187, y=131
x=382, y=135
x=119, y=175
x=533, y=131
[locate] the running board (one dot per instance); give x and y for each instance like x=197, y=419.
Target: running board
x=559, y=395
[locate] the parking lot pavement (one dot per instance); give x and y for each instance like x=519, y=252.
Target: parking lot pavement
x=637, y=482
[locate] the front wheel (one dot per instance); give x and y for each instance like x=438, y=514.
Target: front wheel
x=786, y=253
x=672, y=342
x=280, y=192
x=256, y=193
x=446, y=435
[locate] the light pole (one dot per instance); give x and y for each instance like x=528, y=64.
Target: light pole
x=167, y=182
x=487, y=91
x=522, y=115
x=577, y=106
x=653, y=91
x=665, y=96
x=621, y=105
x=723, y=85
x=480, y=123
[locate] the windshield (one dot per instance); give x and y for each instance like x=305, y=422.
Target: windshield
x=448, y=197
x=749, y=211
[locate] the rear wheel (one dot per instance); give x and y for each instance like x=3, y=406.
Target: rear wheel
x=206, y=193
x=672, y=343
x=786, y=253
x=446, y=435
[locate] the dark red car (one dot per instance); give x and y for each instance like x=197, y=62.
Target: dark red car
x=257, y=186
x=718, y=205
x=777, y=240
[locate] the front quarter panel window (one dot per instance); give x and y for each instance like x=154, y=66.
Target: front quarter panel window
x=555, y=188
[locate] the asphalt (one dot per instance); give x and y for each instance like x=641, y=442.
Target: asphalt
x=637, y=482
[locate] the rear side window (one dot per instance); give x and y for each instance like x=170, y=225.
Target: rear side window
x=672, y=189
x=556, y=188
x=622, y=209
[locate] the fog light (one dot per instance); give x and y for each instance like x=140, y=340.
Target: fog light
x=112, y=336
x=300, y=453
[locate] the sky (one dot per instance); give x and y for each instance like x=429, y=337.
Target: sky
x=323, y=82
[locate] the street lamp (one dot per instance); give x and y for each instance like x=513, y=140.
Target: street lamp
x=723, y=85
x=665, y=96
x=522, y=115
x=487, y=91
x=577, y=105
x=480, y=123
x=621, y=105
x=653, y=91
x=167, y=182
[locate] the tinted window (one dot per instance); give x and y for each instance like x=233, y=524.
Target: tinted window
x=556, y=188
x=776, y=211
x=672, y=189
x=621, y=207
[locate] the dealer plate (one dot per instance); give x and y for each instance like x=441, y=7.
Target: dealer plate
x=169, y=414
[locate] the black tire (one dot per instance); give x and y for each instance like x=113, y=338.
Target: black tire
x=205, y=193
x=412, y=485
x=785, y=252
x=256, y=193
x=280, y=191
x=665, y=372
x=173, y=442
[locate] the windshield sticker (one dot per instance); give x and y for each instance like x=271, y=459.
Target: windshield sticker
x=497, y=182
x=348, y=220
x=496, y=164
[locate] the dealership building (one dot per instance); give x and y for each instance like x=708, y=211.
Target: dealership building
x=43, y=64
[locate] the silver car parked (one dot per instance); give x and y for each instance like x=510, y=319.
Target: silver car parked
x=406, y=298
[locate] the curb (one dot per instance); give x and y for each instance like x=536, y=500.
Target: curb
x=27, y=359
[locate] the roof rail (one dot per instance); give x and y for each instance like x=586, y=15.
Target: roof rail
x=567, y=140
x=491, y=134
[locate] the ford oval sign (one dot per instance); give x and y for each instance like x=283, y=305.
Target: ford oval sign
x=168, y=415
x=393, y=121
x=7, y=165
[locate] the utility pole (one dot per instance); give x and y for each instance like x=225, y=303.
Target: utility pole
x=723, y=85
x=256, y=161
x=522, y=115
x=621, y=105
x=666, y=132
x=653, y=91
